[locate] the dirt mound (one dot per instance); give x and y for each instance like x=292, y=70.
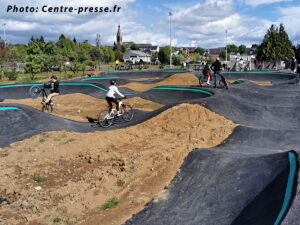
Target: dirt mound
x=143, y=79
x=177, y=79
x=69, y=176
x=261, y=83
x=80, y=106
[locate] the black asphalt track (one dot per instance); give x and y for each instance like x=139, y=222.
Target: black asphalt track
x=249, y=179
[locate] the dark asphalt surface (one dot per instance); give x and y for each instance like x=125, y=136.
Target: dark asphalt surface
x=249, y=179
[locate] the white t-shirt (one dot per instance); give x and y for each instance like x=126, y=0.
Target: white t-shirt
x=112, y=89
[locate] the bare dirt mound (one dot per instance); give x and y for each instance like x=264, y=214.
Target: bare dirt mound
x=261, y=83
x=80, y=106
x=143, y=79
x=68, y=177
x=177, y=79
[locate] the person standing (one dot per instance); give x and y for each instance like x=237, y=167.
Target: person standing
x=216, y=67
x=293, y=64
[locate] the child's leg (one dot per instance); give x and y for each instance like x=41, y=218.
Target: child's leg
x=50, y=97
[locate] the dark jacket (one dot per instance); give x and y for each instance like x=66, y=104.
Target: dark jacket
x=206, y=69
x=216, y=66
x=54, y=86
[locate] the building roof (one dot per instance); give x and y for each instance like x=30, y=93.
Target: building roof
x=136, y=53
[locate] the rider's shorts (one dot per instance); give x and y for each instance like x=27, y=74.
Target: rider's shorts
x=207, y=74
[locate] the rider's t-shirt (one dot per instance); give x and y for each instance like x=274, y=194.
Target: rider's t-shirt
x=54, y=87
x=112, y=89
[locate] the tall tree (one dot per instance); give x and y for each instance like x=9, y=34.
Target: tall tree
x=242, y=49
x=275, y=45
x=134, y=46
x=200, y=51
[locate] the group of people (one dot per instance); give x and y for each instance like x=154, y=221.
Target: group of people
x=53, y=85
x=216, y=67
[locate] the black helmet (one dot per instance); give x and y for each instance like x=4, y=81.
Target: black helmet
x=112, y=82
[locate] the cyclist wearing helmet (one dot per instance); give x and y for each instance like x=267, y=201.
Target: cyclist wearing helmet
x=110, y=96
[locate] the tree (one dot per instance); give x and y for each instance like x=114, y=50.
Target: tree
x=275, y=45
x=242, y=49
x=200, y=51
x=134, y=46
x=196, y=57
x=222, y=55
x=119, y=55
x=164, y=54
x=232, y=49
x=108, y=54
x=35, y=57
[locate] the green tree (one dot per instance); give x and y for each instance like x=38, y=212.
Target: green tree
x=232, y=49
x=21, y=52
x=134, y=46
x=35, y=57
x=200, y=51
x=222, y=55
x=154, y=56
x=242, y=49
x=275, y=45
x=164, y=54
x=108, y=54
x=119, y=55
x=196, y=57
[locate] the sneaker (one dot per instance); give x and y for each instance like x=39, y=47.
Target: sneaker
x=119, y=114
x=43, y=103
x=207, y=83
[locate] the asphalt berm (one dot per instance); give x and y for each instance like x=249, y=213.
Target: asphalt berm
x=249, y=178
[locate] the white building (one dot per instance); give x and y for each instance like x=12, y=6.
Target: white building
x=136, y=56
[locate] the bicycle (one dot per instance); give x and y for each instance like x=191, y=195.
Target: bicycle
x=223, y=83
x=35, y=92
x=107, y=118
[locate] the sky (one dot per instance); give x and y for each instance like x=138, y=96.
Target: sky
x=194, y=23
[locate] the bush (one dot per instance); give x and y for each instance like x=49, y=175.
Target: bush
x=11, y=75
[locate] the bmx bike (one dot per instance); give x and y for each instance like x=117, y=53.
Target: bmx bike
x=107, y=118
x=35, y=92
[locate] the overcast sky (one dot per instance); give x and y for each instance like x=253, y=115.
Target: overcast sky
x=194, y=23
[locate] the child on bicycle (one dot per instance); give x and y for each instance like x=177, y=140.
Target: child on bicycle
x=206, y=72
x=110, y=96
x=53, y=84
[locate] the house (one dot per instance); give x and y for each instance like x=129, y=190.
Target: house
x=136, y=56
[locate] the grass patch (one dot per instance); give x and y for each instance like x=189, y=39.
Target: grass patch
x=120, y=182
x=70, y=140
x=38, y=179
x=57, y=220
x=110, y=204
x=42, y=140
x=28, y=150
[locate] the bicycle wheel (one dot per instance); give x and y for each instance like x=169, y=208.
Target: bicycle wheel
x=35, y=92
x=104, y=120
x=223, y=83
x=127, y=112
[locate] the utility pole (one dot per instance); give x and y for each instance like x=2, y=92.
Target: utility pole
x=170, y=14
x=3, y=25
x=226, y=49
x=98, y=44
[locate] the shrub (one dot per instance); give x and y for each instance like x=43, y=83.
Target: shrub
x=11, y=75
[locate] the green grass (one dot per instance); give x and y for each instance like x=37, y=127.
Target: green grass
x=42, y=140
x=57, y=220
x=110, y=204
x=38, y=179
